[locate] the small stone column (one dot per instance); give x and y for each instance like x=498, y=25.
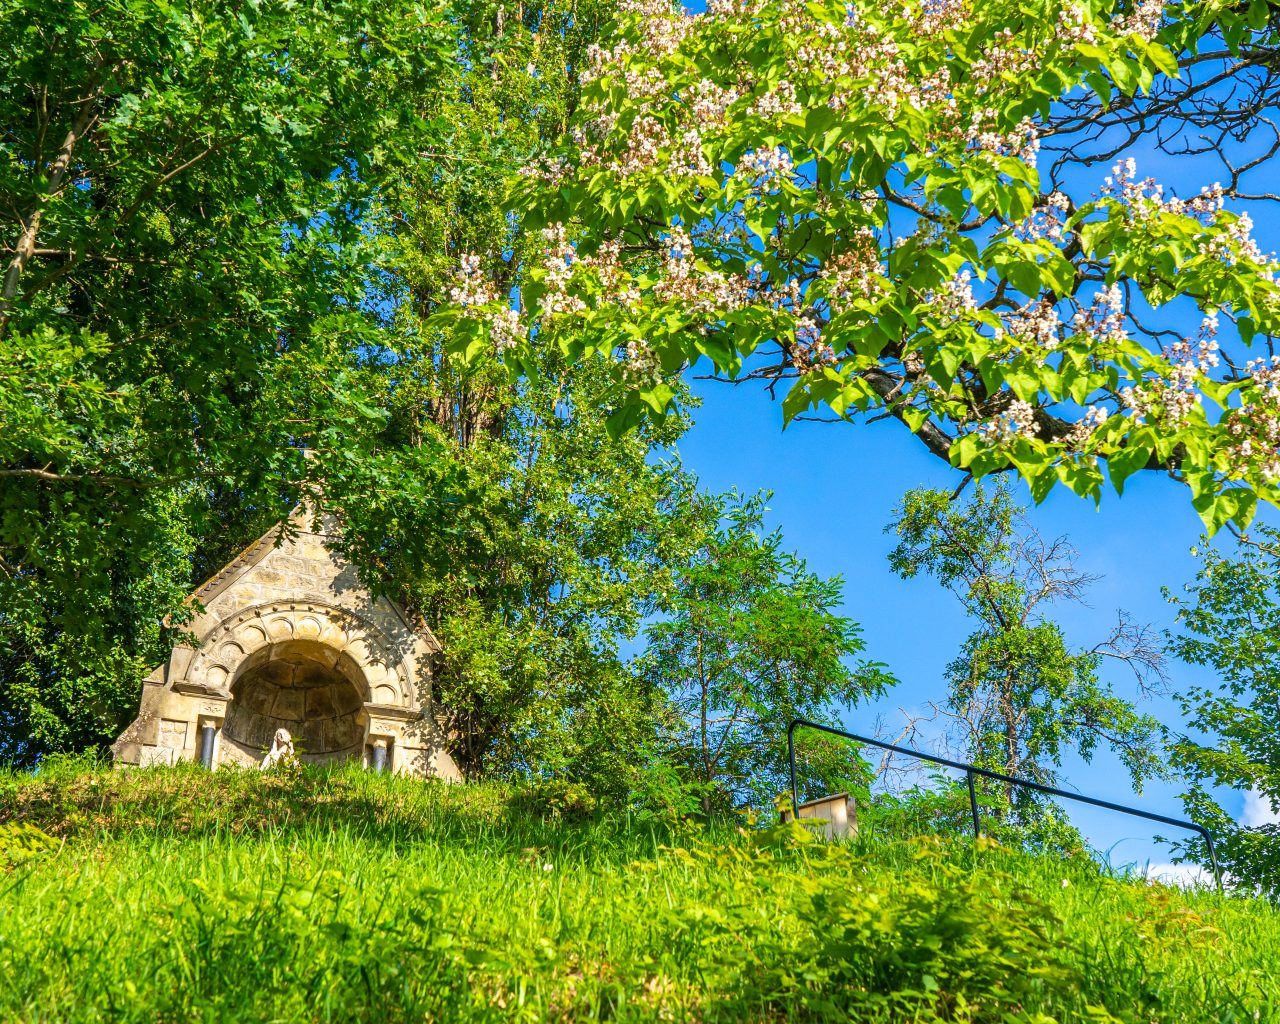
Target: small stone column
x=208, y=726
x=207, y=733
x=382, y=732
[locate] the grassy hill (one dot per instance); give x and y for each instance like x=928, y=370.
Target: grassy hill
x=174, y=895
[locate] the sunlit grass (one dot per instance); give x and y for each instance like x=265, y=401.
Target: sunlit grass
x=173, y=895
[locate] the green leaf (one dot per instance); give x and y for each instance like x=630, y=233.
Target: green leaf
x=914, y=418
x=1101, y=85
x=1060, y=275
x=623, y=420
x=1215, y=508
x=797, y=401
x=657, y=398
x=1123, y=463
x=1164, y=61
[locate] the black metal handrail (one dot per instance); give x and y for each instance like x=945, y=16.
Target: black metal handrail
x=971, y=770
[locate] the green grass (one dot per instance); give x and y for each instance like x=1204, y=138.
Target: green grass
x=172, y=895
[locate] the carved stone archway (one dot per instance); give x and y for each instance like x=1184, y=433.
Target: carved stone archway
x=374, y=663
x=289, y=639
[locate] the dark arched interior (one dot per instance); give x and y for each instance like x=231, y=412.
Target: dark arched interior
x=296, y=687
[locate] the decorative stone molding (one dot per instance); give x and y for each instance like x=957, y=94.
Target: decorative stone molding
x=353, y=646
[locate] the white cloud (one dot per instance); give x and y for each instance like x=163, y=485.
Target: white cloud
x=1257, y=811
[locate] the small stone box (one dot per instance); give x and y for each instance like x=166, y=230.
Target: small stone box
x=838, y=811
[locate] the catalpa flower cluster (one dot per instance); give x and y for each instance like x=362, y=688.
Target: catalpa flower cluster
x=474, y=292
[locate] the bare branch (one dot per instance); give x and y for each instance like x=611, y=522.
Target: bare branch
x=1140, y=648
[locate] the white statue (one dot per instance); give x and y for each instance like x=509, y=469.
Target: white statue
x=281, y=752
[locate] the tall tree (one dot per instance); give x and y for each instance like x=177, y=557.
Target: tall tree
x=847, y=203
x=534, y=553
x=752, y=639
x=1230, y=618
x=494, y=503
x=182, y=193
x=1019, y=695
x=513, y=87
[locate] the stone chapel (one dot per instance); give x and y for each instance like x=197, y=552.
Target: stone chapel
x=290, y=639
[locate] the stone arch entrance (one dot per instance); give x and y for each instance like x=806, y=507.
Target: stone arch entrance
x=313, y=669
x=287, y=637
x=297, y=686
x=298, y=633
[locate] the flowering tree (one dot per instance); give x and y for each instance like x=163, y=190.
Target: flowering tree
x=852, y=202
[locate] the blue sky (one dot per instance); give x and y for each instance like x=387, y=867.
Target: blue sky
x=835, y=486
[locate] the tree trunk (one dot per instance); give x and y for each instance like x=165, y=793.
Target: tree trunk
x=1010, y=738
x=57, y=172
x=706, y=745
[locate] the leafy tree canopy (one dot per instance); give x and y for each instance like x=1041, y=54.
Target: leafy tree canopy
x=182, y=194
x=495, y=505
x=894, y=209
x=534, y=553
x=752, y=638
x=1230, y=618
